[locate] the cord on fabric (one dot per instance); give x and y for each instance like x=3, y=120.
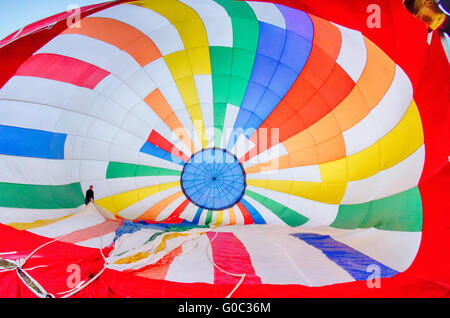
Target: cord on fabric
x=223, y=271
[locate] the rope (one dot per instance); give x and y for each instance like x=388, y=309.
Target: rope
x=33, y=285
x=82, y=286
x=224, y=271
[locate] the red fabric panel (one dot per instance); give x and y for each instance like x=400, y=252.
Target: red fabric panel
x=156, y=139
x=247, y=216
x=64, y=69
x=433, y=100
x=230, y=255
x=56, y=257
x=14, y=54
x=174, y=218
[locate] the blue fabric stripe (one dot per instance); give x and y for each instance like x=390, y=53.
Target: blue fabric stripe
x=155, y=151
x=257, y=218
x=352, y=261
x=197, y=216
x=280, y=58
x=16, y=141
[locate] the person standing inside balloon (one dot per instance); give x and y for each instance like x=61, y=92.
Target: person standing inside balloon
x=89, y=195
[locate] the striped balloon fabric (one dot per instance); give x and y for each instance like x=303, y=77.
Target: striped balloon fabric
x=227, y=143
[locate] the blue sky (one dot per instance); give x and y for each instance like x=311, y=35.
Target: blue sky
x=15, y=14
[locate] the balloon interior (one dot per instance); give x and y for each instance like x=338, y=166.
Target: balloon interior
x=235, y=148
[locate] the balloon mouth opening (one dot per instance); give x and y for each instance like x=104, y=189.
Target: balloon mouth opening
x=213, y=179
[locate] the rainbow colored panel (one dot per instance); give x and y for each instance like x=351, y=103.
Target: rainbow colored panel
x=315, y=127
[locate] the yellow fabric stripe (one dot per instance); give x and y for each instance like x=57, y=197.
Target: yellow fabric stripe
x=37, y=223
x=119, y=202
x=393, y=148
x=390, y=150
x=194, y=60
x=219, y=218
x=141, y=255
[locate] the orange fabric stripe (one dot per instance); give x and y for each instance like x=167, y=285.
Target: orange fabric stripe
x=154, y=211
x=160, y=268
x=161, y=107
x=232, y=216
x=121, y=35
x=91, y=232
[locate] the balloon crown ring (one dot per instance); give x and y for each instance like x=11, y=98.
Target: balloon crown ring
x=213, y=179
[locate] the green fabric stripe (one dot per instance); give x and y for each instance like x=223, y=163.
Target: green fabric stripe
x=289, y=216
x=30, y=196
x=231, y=68
x=124, y=170
x=399, y=212
x=208, y=218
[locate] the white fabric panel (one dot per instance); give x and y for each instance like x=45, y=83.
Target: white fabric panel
x=120, y=154
x=14, y=215
x=274, y=270
x=213, y=218
x=218, y=25
x=167, y=39
x=98, y=129
x=202, y=220
x=92, y=169
x=173, y=97
x=102, y=129
x=238, y=214
x=242, y=146
x=141, y=83
x=92, y=51
x=111, y=111
x=28, y=115
x=122, y=94
x=72, y=147
x=231, y=114
x=37, y=92
x=159, y=72
x=136, y=126
x=127, y=140
x=226, y=217
x=321, y=213
x=268, y=13
x=353, y=54
x=141, y=206
x=142, y=182
x=168, y=210
x=291, y=260
x=204, y=89
x=190, y=211
x=401, y=177
x=98, y=242
x=93, y=149
x=384, y=117
x=266, y=214
x=145, y=159
x=79, y=221
x=142, y=19
x=193, y=265
x=15, y=169
x=305, y=173
x=270, y=154
x=205, y=95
